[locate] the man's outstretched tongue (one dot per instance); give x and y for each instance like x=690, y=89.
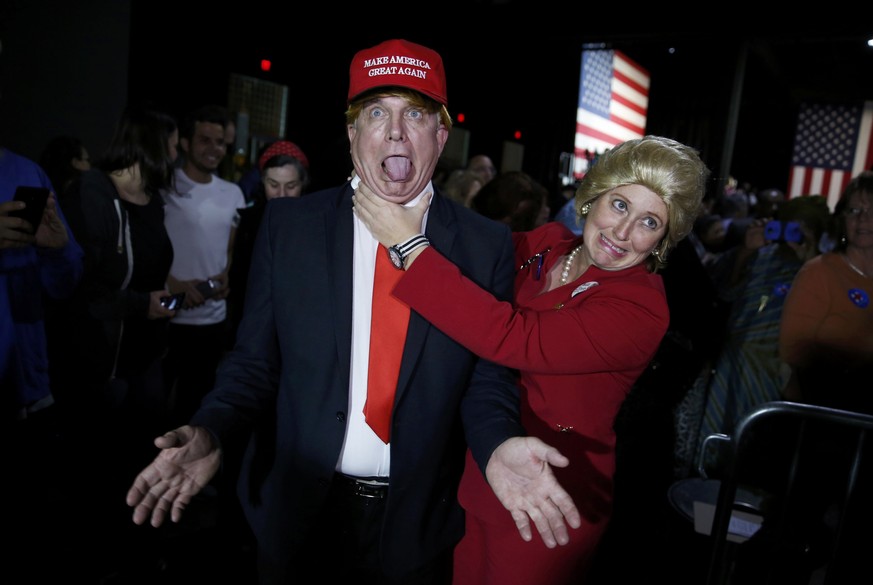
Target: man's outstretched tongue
x=397, y=167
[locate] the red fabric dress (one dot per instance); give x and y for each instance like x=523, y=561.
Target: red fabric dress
x=578, y=349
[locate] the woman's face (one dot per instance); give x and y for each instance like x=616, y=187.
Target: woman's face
x=859, y=221
x=282, y=182
x=623, y=227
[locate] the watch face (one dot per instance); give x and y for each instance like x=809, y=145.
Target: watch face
x=395, y=256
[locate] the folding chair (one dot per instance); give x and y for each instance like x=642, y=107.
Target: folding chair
x=813, y=462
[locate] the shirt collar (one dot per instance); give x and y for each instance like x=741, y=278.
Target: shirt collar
x=356, y=180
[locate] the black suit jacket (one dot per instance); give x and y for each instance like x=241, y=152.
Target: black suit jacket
x=288, y=379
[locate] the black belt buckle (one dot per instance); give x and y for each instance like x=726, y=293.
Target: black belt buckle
x=363, y=488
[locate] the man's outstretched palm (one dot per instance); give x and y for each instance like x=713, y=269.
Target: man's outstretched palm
x=521, y=477
x=188, y=460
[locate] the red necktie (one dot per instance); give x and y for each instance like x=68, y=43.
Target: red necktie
x=387, y=335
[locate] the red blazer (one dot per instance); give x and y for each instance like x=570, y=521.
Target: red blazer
x=578, y=350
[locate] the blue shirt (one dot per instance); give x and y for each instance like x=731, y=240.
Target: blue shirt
x=26, y=274
x=567, y=216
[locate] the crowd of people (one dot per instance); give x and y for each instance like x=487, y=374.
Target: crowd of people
x=233, y=321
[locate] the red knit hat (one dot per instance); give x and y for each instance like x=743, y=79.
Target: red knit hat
x=283, y=147
x=398, y=63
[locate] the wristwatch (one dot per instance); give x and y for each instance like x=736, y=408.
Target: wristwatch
x=399, y=252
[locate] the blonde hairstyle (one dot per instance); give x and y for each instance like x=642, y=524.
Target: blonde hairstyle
x=411, y=96
x=668, y=168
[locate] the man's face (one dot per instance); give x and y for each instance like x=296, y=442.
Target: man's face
x=206, y=148
x=395, y=147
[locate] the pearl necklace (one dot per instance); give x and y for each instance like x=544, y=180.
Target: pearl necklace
x=568, y=263
x=855, y=268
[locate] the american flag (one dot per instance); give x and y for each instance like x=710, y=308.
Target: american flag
x=613, y=101
x=833, y=143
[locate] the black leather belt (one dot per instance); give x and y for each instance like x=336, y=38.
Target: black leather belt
x=365, y=488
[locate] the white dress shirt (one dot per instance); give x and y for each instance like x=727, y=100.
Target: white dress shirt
x=364, y=454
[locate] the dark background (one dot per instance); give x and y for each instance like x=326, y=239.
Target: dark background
x=728, y=83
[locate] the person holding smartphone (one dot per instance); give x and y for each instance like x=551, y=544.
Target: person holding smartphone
x=108, y=340
x=116, y=318
x=748, y=371
x=37, y=255
x=21, y=218
x=201, y=220
x=35, y=200
x=37, y=262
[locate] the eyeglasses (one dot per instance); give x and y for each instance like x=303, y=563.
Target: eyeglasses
x=857, y=212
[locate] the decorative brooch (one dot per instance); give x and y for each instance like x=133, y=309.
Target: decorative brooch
x=578, y=290
x=538, y=258
x=583, y=287
x=860, y=298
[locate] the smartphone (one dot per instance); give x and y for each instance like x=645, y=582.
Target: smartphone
x=35, y=199
x=173, y=302
x=777, y=231
x=207, y=288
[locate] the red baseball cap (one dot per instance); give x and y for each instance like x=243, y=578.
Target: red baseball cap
x=398, y=63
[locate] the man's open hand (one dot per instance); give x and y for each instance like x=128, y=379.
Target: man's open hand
x=188, y=460
x=521, y=476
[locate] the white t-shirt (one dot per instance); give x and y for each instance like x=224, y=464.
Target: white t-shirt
x=199, y=218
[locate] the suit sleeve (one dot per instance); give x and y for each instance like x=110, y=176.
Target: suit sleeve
x=617, y=327
x=490, y=408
